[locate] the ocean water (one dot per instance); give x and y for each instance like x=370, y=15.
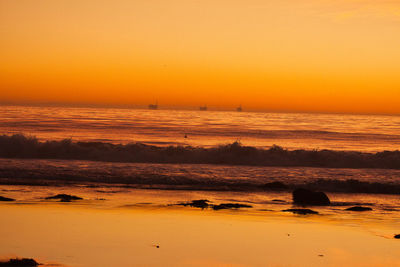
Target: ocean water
x=366, y=133
x=225, y=168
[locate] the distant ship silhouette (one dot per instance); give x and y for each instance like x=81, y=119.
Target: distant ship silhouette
x=203, y=108
x=239, y=109
x=153, y=106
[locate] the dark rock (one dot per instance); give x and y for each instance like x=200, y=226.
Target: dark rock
x=6, y=199
x=204, y=203
x=275, y=186
x=359, y=208
x=19, y=263
x=278, y=200
x=230, y=206
x=307, y=197
x=301, y=211
x=64, y=197
x=397, y=236
x=200, y=203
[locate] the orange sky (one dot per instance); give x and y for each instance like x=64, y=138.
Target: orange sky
x=277, y=55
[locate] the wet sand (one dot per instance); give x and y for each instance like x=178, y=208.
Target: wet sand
x=121, y=227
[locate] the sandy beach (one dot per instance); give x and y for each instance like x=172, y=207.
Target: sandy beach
x=130, y=227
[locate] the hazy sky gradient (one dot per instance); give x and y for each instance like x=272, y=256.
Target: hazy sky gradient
x=279, y=55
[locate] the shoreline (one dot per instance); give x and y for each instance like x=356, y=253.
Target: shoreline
x=131, y=223
x=264, y=203
x=198, y=176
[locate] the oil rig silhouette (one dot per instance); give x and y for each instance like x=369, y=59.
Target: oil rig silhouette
x=203, y=108
x=153, y=106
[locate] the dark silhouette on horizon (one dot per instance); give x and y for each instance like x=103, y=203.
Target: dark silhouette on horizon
x=153, y=106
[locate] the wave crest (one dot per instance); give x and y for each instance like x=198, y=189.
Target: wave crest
x=21, y=146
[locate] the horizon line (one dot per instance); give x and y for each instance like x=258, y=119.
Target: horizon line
x=183, y=107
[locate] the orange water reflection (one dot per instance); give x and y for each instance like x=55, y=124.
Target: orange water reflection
x=92, y=234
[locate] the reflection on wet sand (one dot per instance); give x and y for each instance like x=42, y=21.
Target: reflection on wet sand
x=147, y=228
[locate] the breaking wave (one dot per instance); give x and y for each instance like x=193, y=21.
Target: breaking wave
x=196, y=177
x=21, y=146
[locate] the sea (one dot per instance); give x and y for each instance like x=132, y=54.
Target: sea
x=191, y=129
x=344, y=132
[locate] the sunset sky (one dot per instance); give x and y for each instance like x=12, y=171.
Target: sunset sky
x=276, y=55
